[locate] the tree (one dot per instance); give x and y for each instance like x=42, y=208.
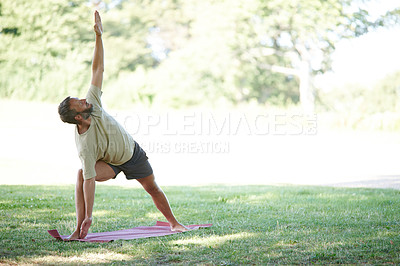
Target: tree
x=178, y=52
x=296, y=38
x=44, y=48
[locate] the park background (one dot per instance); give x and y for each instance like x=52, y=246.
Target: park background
x=257, y=117
x=249, y=92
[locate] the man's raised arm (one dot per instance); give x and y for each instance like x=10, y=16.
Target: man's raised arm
x=98, y=58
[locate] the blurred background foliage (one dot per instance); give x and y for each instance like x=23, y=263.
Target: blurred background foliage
x=181, y=53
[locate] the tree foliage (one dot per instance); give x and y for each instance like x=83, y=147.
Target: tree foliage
x=46, y=53
x=177, y=52
x=296, y=39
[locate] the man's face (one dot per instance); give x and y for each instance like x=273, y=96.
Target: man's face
x=82, y=107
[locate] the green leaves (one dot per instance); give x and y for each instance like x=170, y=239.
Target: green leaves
x=177, y=53
x=35, y=61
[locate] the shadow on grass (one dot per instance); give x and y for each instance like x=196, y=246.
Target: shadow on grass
x=252, y=224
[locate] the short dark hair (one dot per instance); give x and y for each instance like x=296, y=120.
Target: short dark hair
x=67, y=114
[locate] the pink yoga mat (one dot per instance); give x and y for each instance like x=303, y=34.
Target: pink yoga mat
x=160, y=229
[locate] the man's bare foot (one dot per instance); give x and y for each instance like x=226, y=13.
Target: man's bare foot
x=179, y=228
x=74, y=236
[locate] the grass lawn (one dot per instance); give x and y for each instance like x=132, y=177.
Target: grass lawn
x=252, y=225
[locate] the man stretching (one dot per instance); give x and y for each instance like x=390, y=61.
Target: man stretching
x=105, y=148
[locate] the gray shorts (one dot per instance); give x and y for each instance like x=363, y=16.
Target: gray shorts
x=137, y=167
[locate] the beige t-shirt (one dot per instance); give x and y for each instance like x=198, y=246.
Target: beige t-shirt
x=105, y=139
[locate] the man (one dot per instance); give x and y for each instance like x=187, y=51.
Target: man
x=105, y=148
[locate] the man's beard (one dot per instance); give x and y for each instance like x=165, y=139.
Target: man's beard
x=86, y=113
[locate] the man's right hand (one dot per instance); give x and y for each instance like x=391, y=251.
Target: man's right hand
x=85, y=227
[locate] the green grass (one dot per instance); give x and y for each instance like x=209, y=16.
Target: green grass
x=252, y=225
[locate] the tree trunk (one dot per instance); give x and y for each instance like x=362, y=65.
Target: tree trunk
x=306, y=93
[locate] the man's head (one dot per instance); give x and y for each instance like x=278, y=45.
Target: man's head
x=74, y=110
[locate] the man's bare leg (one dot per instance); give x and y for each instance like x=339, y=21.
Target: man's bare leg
x=161, y=202
x=79, y=205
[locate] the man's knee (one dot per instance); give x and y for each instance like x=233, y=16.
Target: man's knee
x=80, y=175
x=150, y=185
x=153, y=189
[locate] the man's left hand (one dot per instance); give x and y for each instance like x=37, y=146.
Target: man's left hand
x=85, y=227
x=98, y=26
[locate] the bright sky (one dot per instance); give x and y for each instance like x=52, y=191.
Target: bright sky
x=369, y=57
